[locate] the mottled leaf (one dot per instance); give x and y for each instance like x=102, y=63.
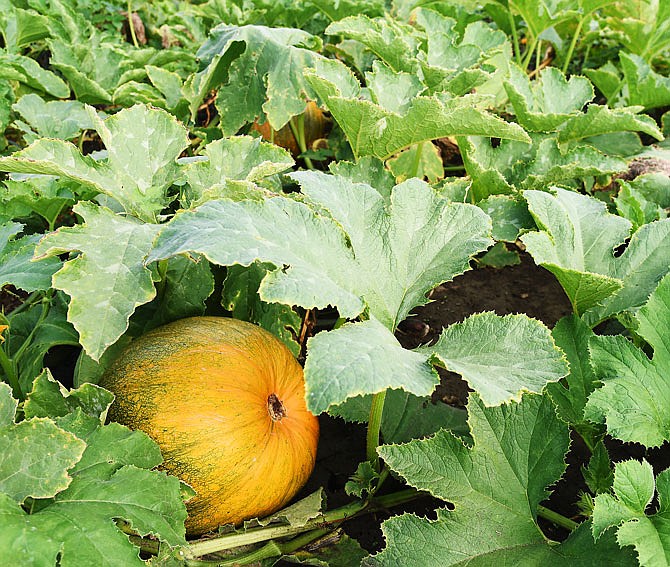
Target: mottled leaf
x=107, y=280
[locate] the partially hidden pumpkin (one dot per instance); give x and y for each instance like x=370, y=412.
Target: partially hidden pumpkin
x=225, y=401
x=316, y=125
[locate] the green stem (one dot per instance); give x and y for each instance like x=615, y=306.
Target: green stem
x=529, y=55
x=131, y=25
x=515, y=38
x=10, y=371
x=27, y=302
x=298, y=129
x=556, y=518
x=374, y=426
x=268, y=551
x=538, y=56
x=573, y=43
x=327, y=520
x=147, y=545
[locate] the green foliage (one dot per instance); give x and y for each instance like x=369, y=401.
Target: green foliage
x=90, y=475
x=163, y=202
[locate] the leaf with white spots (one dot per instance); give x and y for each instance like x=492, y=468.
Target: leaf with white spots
x=107, y=279
x=142, y=146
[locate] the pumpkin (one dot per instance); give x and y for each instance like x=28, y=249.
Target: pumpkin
x=225, y=401
x=316, y=125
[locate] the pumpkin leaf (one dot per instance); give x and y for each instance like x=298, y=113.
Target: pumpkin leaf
x=33, y=335
x=107, y=280
x=62, y=119
x=495, y=486
x=103, y=478
x=632, y=401
x=14, y=67
x=36, y=456
x=572, y=335
x=240, y=158
x=142, y=147
x=362, y=358
x=373, y=130
x=382, y=236
x=577, y=244
x=625, y=508
x=576, y=230
x=543, y=105
x=254, y=68
x=182, y=289
x=500, y=357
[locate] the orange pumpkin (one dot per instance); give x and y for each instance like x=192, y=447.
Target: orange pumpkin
x=316, y=125
x=225, y=401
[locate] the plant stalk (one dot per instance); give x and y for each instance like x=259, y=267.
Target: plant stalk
x=131, y=25
x=515, y=38
x=268, y=551
x=10, y=372
x=298, y=129
x=556, y=518
x=573, y=43
x=327, y=520
x=374, y=427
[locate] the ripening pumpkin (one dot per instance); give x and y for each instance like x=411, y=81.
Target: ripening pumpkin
x=225, y=401
x=316, y=125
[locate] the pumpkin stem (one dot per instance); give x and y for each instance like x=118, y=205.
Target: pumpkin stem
x=276, y=409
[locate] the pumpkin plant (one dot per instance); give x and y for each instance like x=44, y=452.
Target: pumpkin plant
x=130, y=236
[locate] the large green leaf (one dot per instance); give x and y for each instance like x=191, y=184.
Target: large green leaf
x=36, y=454
x=388, y=39
x=240, y=158
x=572, y=336
x=373, y=130
x=640, y=267
x=549, y=101
x=378, y=269
x=108, y=279
x=576, y=243
x=258, y=72
x=62, y=119
x=109, y=481
x=32, y=335
x=634, y=401
x=625, y=510
x=142, y=147
x=500, y=357
x=495, y=487
x=28, y=71
x=644, y=86
x=512, y=165
x=599, y=120
x=362, y=358
x=643, y=27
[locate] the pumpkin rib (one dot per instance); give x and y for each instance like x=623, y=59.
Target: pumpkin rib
x=206, y=405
